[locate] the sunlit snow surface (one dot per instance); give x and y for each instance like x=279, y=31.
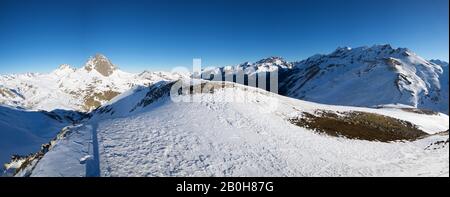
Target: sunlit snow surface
x=67, y=88
x=23, y=132
x=211, y=138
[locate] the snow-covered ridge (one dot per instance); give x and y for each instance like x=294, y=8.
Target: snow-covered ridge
x=63, y=69
x=364, y=76
x=144, y=133
x=370, y=76
x=270, y=64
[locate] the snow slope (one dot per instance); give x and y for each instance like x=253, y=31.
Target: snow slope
x=145, y=133
x=443, y=78
x=23, y=132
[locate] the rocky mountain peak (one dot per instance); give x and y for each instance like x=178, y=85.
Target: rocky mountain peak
x=274, y=61
x=65, y=67
x=101, y=64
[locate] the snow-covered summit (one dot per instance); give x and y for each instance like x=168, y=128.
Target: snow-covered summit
x=375, y=51
x=368, y=76
x=273, y=62
x=63, y=69
x=270, y=64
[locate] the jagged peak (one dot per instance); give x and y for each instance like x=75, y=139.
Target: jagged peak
x=376, y=47
x=100, y=56
x=147, y=73
x=376, y=50
x=272, y=59
x=64, y=67
x=381, y=47
x=101, y=64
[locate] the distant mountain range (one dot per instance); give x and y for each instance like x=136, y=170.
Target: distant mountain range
x=365, y=76
x=83, y=89
x=374, y=76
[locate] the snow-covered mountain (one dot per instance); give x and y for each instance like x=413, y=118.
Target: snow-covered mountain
x=370, y=76
x=35, y=107
x=365, y=76
x=444, y=81
x=265, y=65
x=131, y=127
x=83, y=89
x=143, y=132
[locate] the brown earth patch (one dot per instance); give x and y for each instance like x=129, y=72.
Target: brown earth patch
x=6, y=93
x=93, y=101
x=359, y=125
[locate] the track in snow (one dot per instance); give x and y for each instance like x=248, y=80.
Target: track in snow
x=93, y=165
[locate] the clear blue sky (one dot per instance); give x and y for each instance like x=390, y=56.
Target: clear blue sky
x=37, y=36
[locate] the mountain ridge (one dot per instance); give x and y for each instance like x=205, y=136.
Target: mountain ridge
x=213, y=138
x=404, y=77
x=81, y=89
x=364, y=76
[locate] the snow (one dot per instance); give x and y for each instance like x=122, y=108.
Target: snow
x=250, y=136
x=359, y=76
x=23, y=132
x=362, y=76
x=68, y=154
x=67, y=88
x=212, y=138
x=270, y=64
x=24, y=128
x=369, y=76
x=63, y=69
